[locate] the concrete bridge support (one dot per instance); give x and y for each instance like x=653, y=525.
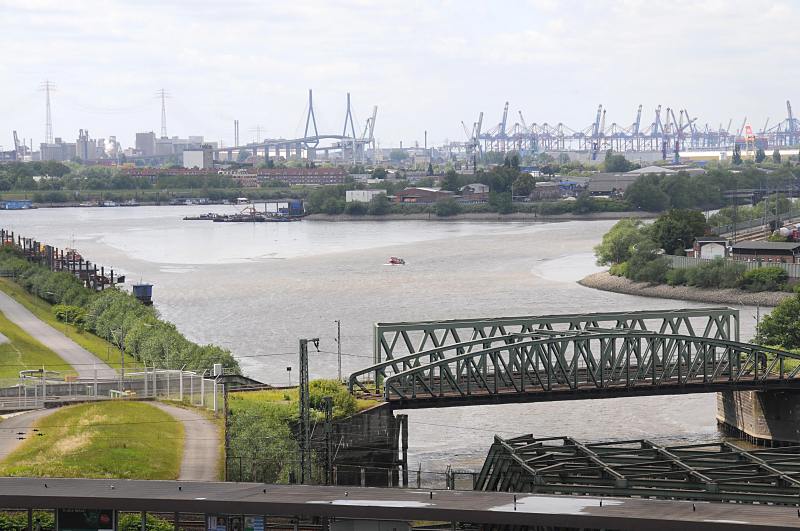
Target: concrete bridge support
x=763, y=417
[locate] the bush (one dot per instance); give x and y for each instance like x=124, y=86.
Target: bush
x=344, y=404
x=646, y=264
x=718, y=273
x=654, y=271
x=770, y=278
x=447, y=207
x=356, y=208
x=677, y=277
x=619, y=270
x=70, y=314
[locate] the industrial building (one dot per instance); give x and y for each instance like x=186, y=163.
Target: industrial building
x=760, y=251
x=422, y=195
x=201, y=159
x=362, y=196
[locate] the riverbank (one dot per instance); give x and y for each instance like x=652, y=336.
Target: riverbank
x=486, y=216
x=606, y=282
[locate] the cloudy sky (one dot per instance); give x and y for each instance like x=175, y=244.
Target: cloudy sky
x=425, y=64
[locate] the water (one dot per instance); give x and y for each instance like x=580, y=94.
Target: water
x=256, y=288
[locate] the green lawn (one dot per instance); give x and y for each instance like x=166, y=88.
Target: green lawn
x=287, y=397
x=44, y=311
x=114, y=439
x=24, y=352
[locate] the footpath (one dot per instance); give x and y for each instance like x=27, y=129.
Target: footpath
x=201, y=444
x=84, y=362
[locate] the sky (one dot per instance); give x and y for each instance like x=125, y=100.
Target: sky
x=427, y=65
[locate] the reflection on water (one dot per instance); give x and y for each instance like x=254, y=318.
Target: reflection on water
x=257, y=288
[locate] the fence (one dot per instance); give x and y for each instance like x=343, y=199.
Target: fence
x=683, y=262
x=185, y=386
x=724, y=230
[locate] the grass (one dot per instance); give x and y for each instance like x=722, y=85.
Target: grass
x=114, y=439
x=289, y=397
x=23, y=352
x=98, y=346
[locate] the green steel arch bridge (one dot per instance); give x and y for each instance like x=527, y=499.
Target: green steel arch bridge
x=569, y=357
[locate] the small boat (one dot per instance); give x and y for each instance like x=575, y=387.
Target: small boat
x=393, y=260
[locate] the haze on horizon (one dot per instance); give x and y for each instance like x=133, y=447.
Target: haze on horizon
x=427, y=65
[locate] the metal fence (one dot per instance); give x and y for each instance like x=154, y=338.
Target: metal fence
x=185, y=386
x=725, y=230
x=683, y=262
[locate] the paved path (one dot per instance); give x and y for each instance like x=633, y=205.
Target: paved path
x=81, y=359
x=21, y=422
x=201, y=444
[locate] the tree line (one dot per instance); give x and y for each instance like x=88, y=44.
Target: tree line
x=115, y=316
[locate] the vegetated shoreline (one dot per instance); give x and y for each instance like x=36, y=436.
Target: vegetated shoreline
x=485, y=216
x=607, y=282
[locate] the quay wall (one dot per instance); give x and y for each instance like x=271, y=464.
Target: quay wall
x=763, y=417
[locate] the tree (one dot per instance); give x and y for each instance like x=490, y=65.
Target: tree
x=646, y=264
x=616, y=163
x=397, y=155
x=677, y=229
x=618, y=243
x=379, y=173
x=524, y=184
x=776, y=156
x=584, y=204
x=645, y=193
x=451, y=181
x=243, y=155
x=430, y=168
x=379, y=205
x=779, y=328
x=760, y=156
x=737, y=155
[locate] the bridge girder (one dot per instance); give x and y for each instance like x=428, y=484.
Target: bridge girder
x=590, y=364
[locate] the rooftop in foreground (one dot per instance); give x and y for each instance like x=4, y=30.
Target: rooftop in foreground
x=392, y=504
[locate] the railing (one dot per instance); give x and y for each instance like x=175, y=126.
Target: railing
x=684, y=262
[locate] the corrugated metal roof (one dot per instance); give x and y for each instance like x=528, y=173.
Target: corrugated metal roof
x=768, y=246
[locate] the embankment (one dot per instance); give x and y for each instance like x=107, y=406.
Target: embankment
x=606, y=282
x=484, y=216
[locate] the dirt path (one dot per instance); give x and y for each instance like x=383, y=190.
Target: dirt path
x=11, y=425
x=81, y=359
x=201, y=444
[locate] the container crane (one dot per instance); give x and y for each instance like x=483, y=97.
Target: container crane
x=792, y=125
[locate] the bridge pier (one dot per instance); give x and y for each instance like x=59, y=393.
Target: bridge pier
x=771, y=418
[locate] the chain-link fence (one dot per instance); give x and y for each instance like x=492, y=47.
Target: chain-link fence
x=185, y=386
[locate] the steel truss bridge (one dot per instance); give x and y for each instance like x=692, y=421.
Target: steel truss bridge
x=349, y=144
x=642, y=468
x=569, y=357
x=670, y=131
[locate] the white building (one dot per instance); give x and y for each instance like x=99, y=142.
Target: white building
x=202, y=159
x=361, y=196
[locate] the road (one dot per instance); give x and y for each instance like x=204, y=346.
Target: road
x=201, y=445
x=22, y=422
x=84, y=362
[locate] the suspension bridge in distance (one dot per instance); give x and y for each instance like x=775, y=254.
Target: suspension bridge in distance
x=569, y=357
